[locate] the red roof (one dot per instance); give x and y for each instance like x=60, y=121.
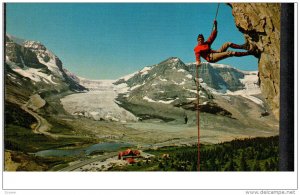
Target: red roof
x=130, y=160
x=129, y=152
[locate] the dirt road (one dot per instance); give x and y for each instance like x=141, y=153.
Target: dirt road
x=43, y=126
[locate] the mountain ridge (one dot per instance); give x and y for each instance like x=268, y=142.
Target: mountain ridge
x=31, y=59
x=170, y=84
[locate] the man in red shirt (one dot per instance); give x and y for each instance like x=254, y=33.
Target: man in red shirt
x=203, y=49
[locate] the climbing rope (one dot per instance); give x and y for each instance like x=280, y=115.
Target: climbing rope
x=216, y=16
x=198, y=101
x=198, y=115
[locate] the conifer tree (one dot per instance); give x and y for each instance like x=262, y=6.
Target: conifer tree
x=230, y=166
x=243, y=163
x=256, y=166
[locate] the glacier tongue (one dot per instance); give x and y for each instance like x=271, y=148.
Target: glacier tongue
x=98, y=103
x=251, y=83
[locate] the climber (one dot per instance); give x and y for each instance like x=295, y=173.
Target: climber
x=203, y=48
x=185, y=119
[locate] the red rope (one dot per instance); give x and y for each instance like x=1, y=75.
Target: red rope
x=198, y=115
x=198, y=102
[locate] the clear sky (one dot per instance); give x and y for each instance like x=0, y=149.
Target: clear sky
x=110, y=40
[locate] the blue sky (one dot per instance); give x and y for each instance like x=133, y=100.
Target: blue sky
x=110, y=40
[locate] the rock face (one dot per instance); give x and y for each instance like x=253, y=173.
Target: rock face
x=260, y=24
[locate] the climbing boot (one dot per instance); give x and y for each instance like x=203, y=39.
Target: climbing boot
x=246, y=46
x=253, y=50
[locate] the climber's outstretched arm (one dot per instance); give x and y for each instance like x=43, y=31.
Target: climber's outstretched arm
x=214, y=33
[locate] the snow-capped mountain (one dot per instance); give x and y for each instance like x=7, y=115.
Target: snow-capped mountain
x=34, y=62
x=215, y=79
x=45, y=57
x=171, y=83
x=33, y=75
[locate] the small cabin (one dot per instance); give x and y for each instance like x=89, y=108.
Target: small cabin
x=129, y=155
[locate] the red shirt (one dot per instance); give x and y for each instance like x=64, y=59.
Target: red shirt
x=204, y=49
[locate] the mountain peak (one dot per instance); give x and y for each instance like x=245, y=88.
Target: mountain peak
x=36, y=45
x=173, y=62
x=173, y=59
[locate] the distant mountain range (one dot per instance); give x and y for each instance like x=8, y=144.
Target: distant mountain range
x=164, y=91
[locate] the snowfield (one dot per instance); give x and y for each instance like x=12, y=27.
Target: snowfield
x=127, y=77
x=251, y=88
x=145, y=70
x=99, y=103
x=189, y=76
x=219, y=65
x=35, y=75
x=159, y=101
